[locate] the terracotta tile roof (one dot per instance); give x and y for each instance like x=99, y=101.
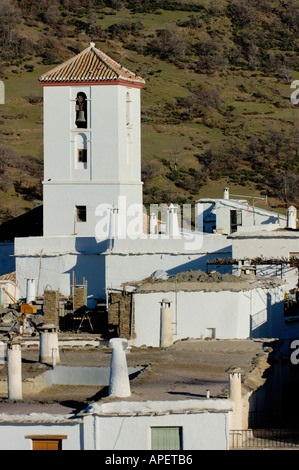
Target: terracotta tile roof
x=91, y=65
x=8, y=277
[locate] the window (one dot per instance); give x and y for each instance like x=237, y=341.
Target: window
x=235, y=220
x=166, y=438
x=82, y=155
x=211, y=333
x=80, y=213
x=81, y=111
x=46, y=442
x=81, y=151
x=128, y=110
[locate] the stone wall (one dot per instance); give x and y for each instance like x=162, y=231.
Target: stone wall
x=51, y=307
x=119, y=314
x=79, y=298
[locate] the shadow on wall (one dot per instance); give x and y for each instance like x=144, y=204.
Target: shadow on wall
x=201, y=263
x=90, y=266
x=271, y=323
x=273, y=405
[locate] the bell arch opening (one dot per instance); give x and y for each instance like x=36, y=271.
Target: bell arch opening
x=81, y=110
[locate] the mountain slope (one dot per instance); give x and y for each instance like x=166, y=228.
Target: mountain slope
x=216, y=107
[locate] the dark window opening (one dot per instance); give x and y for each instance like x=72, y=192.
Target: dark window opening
x=235, y=220
x=81, y=111
x=82, y=155
x=81, y=214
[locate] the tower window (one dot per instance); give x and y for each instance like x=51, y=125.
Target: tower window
x=81, y=110
x=82, y=155
x=128, y=110
x=81, y=214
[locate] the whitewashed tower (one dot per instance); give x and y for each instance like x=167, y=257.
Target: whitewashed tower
x=91, y=141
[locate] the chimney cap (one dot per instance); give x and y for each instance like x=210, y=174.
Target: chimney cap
x=234, y=370
x=117, y=342
x=48, y=326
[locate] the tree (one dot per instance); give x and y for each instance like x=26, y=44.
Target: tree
x=169, y=43
x=52, y=15
x=241, y=12
x=10, y=17
x=276, y=141
x=286, y=186
x=254, y=148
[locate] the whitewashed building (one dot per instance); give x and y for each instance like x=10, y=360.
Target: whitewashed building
x=229, y=215
x=92, y=211
x=149, y=417
x=251, y=308
x=93, y=214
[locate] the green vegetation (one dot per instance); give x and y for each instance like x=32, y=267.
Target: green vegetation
x=216, y=106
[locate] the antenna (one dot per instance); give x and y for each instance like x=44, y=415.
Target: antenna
x=254, y=200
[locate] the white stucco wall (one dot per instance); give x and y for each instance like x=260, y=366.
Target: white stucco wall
x=61, y=199
x=135, y=260
x=12, y=288
x=117, y=425
x=53, y=260
x=216, y=213
x=205, y=428
x=13, y=434
x=278, y=244
x=113, y=165
x=239, y=315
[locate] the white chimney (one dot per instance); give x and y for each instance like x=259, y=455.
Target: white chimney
x=119, y=385
x=30, y=291
x=166, y=335
x=48, y=345
x=153, y=224
x=14, y=371
x=235, y=395
x=292, y=217
x=226, y=193
x=172, y=222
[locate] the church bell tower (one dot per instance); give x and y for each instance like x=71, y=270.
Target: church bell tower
x=92, y=145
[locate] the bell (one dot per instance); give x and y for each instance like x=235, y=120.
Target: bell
x=81, y=117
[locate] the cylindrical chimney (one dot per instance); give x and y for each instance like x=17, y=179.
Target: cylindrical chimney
x=30, y=291
x=14, y=371
x=235, y=395
x=172, y=222
x=292, y=217
x=226, y=193
x=48, y=345
x=166, y=335
x=153, y=224
x=119, y=385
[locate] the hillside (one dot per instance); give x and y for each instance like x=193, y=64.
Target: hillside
x=216, y=107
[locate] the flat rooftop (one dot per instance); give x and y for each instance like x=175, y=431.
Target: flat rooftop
x=183, y=371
